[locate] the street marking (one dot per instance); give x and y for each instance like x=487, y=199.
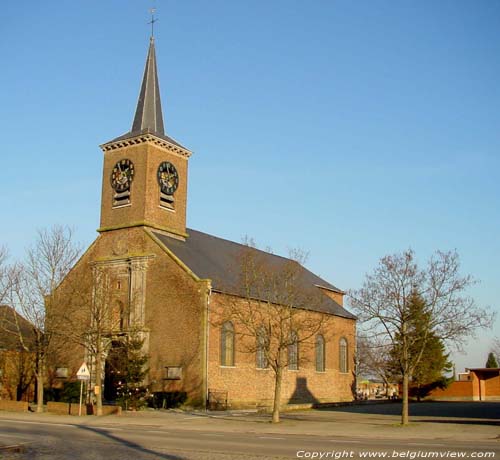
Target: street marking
x=424, y=444
x=14, y=436
x=342, y=441
x=38, y=423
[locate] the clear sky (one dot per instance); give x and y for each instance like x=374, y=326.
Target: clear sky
x=348, y=129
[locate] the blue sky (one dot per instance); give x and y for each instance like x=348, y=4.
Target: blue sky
x=349, y=129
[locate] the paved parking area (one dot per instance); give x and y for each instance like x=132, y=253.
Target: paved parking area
x=484, y=410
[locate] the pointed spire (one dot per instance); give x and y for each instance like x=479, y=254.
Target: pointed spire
x=148, y=115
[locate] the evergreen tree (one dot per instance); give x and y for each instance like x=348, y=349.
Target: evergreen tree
x=424, y=350
x=132, y=392
x=492, y=361
x=428, y=373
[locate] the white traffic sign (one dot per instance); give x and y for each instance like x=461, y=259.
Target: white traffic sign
x=83, y=373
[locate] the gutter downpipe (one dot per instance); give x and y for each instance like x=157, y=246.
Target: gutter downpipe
x=207, y=337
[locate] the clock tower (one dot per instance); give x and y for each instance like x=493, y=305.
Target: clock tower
x=145, y=171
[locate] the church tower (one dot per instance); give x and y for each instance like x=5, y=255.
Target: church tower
x=145, y=171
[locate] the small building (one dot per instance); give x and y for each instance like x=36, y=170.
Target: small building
x=476, y=384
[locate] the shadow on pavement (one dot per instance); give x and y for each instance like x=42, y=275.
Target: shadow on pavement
x=461, y=422
x=129, y=444
x=483, y=412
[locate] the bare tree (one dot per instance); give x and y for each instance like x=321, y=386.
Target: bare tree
x=93, y=318
x=47, y=262
x=384, y=301
x=373, y=359
x=273, y=314
x=8, y=275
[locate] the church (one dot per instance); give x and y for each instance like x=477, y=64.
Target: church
x=171, y=283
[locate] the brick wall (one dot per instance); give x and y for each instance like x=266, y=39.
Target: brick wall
x=175, y=328
x=248, y=386
x=16, y=367
x=492, y=388
x=145, y=192
x=14, y=406
x=174, y=310
x=62, y=408
x=455, y=391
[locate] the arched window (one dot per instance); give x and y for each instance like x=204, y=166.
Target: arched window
x=343, y=362
x=262, y=347
x=320, y=353
x=119, y=317
x=293, y=352
x=227, y=344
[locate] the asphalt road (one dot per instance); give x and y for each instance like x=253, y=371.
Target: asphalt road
x=60, y=441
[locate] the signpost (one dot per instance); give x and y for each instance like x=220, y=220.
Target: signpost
x=82, y=374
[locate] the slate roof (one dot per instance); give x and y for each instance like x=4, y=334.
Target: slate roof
x=148, y=113
x=148, y=117
x=9, y=331
x=210, y=257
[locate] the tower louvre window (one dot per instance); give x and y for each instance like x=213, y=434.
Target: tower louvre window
x=166, y=201
x=121, y=199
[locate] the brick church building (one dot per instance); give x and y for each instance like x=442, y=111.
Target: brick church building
x=171, y=282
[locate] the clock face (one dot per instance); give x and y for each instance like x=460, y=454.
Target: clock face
x=168, y=178
x=122, y=175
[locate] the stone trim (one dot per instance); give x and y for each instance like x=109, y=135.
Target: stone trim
x=142, y=138
x=178, y=261
x=182, y=236
x=337, y=291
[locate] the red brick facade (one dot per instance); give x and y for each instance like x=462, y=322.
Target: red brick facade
x=248, y=386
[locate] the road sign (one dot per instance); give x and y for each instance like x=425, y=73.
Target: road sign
x=83, y=373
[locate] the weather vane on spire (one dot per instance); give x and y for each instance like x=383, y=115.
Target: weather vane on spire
x=153, y=20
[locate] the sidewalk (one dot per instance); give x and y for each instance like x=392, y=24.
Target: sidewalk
x=310, y=423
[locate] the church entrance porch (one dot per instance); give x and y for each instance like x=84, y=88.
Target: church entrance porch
x=114, y=371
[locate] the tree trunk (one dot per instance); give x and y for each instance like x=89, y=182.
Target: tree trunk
x=404, y=413
x=39, y=391
x=277, y=395
x=98, y=380
x=39, y=383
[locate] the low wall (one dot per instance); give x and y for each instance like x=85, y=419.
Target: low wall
x=492, y=388
x=62, y=408
x=456, y=391
x=14, y=406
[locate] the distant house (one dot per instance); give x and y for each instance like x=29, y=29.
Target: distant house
x=16, y=356
x=478, y=384
x=375, y=388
